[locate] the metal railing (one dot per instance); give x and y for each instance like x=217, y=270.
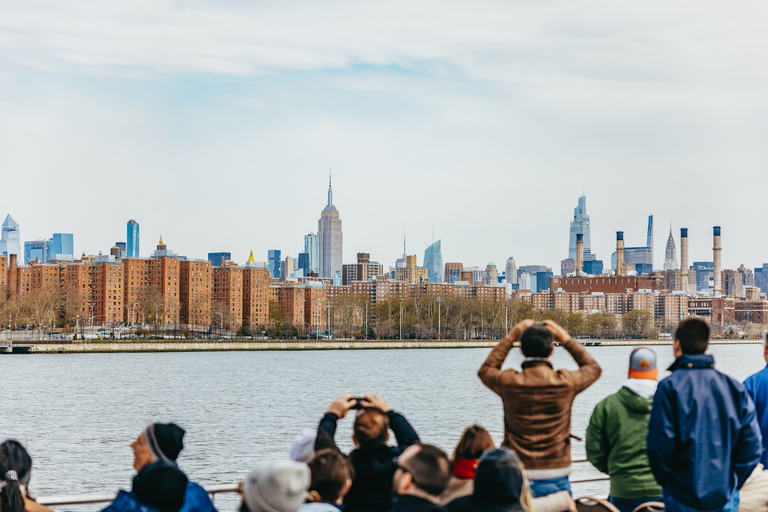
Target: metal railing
x=83, y=499
x=213, y=490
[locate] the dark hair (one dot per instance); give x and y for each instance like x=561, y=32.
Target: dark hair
x=473, y=443
x=13, y=457
x=536, y=341
x=371, y=426
x=330, y=472
x=693, y=335
x=430, y=468
x=161, y=485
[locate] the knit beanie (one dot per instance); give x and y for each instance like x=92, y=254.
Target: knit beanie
x=499, y=477
x=278, y=486
x=161, y=485
x=303, y=447
x=164, y=440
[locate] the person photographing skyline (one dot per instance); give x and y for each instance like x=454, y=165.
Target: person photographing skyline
x=538, y=400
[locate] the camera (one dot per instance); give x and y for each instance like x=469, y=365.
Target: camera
x=358, y=402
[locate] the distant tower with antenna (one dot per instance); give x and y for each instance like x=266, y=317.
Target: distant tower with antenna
x=330, y=238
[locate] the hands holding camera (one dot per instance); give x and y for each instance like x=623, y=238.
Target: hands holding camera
x=558, y=333
x=342, y=405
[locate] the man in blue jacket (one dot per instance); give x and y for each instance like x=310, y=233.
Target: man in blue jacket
x=703, y=436
x=757, y=387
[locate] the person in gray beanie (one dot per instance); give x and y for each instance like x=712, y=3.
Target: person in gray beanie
x=279, y=486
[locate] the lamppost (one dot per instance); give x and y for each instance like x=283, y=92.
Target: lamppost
x=366, y=320
x=439, y=302
x=330, y=334
x=317, y=327
x=506, y=306
x=401, y=319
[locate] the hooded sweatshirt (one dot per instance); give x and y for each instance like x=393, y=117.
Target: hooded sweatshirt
x=616, y=440
x=498, y=485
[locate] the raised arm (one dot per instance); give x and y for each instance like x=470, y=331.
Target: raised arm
x=490, y=372
x=589, y=371
x=326, y=430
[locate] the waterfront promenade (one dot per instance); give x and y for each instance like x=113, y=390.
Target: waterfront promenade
x=278, y=345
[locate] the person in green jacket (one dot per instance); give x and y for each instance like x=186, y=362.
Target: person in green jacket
x=617, y=431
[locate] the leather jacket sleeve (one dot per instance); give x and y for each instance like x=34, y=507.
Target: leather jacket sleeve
x=490, y=372
x=589, y=371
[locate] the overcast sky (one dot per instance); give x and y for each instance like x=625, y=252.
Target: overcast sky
x=214, y=124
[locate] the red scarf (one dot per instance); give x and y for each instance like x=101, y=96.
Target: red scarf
x=465, y=468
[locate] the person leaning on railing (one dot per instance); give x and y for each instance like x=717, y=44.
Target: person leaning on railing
x=164, y=442
x=538, y=400
x=15, y=473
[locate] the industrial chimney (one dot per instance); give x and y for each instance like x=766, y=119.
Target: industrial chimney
x=579, y=254
x=619, y=253
x=717, y=270
x=684, y=259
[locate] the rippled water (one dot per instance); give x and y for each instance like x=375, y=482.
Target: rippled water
x=78, y=413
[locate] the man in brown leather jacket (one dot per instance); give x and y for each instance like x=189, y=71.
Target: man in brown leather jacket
x=537, y=401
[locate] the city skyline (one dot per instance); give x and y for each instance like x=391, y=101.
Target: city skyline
x=133, y=227
x=235, y=111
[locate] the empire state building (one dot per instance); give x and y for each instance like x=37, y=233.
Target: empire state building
x=330, y=238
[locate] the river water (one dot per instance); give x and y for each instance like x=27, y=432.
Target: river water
x=78, y=413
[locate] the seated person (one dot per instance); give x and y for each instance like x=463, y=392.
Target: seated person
x=473, y=443
x=163, y=442
x=331, y=480
x=372, y=459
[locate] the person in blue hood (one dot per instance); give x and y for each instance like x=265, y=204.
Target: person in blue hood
x=703, y=437
x=162, y=442
x=159, y=487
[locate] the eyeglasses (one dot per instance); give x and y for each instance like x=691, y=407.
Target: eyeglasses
x=404, y=470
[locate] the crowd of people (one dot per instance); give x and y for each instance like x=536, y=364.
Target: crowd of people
x=693, y=442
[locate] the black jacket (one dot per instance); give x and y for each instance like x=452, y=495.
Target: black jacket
x=372, y=486
x=407, y=503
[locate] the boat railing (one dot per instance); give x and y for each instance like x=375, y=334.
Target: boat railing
x=213, y=490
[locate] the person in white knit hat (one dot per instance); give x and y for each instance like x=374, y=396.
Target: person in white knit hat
x=279, y=486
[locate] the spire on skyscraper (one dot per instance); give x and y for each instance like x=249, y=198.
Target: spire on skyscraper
x=330, y=206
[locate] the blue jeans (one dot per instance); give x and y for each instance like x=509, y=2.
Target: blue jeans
x=541, y=488
x=630, y=504
x=672, y=505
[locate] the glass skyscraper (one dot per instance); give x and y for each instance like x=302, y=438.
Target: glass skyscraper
x=311, y=247
x=273, y=262
x=61, y=247
x=132, y=240
x=433, y=260
x=580, y=224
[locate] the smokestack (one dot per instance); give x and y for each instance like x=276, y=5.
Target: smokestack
x=684, y=258
x=579, y=253
x=619, y=253
x=717, y=270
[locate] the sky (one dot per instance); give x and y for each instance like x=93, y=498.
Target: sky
x=215, y=124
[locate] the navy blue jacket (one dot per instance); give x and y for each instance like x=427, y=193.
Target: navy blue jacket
x=197, y=499
x=126, y=502
x=703, y=437
x=757, y=387
x=371, y=489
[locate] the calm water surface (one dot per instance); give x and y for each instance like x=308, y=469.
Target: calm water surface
x=78, y=413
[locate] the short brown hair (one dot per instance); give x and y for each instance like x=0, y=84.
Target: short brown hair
x=431, y=469
x=371, y=426
x=693, y=335
x=473, y=443
x=330, y=471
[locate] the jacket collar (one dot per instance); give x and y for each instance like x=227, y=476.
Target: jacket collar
x=530, y=362
x=691, y=362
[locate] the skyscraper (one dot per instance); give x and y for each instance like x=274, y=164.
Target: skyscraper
x=510, y=272
x=61, y=247
x=330, y=238
x=216, y=258
x=274, y=263
x=433, y=260
x=580, y=224
x=132, y=240
x=313, y=253
x=670, y=255
x=10, y=240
